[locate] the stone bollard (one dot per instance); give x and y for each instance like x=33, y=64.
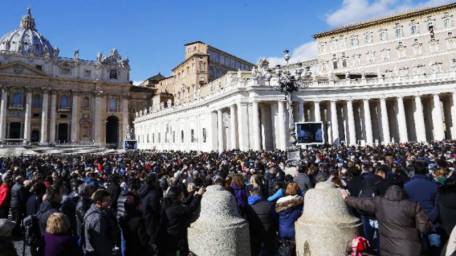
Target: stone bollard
x=325, y=228
x=219, y=230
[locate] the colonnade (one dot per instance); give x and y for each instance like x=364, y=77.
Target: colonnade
x=354, y=121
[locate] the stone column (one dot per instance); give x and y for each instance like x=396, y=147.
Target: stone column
x=385, y=125
x=281, y=125
x=213, y=132
x=402, y=125
x=256, y=126
x=233, y=128
x=368, y=123
x=53, y=118
x=243, y=126
x=419, y=120
x=301, y=112
x=75, y=119
x=334, y=122
x=44, y=118
x=220, y=130
x=28, y=117
x=317, y=111
x=439, y=133
x=98, y=119
x=351, y=123
x=126, y=119
x=3, y=111
x=453, y=116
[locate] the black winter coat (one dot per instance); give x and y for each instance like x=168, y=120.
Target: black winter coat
x=33, y=205
x=134, y=233
x=151, y=209
x=262, y=227
x=446, y=203
x=18, y=196
x=174, y=222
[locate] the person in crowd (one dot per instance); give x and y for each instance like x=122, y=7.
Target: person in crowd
x=17, y=204
x=133, y=228
x=239, y=191
x=289, y=209
x=174, y=221
x=260, y=214
x=51, y=203
x=446, y=204
x=82, y=206
x=4, y=197
x=34, y=201
x=150, y=195
x=58, y=240
x=423, y=190
x=279, y=192
x=400, y=221
x=303, y=180
x=99, y=228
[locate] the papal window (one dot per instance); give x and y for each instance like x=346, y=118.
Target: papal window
x=17, y=100
x=64, y=102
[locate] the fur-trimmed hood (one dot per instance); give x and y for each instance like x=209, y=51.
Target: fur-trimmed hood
x=288, y=202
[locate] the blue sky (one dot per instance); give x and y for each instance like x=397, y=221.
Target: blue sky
x=151, y=33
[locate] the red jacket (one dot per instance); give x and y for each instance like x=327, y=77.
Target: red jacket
x=4, y=194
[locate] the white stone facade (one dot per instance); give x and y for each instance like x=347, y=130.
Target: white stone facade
x=358, y=104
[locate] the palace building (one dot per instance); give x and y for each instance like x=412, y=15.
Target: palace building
x=381, y=81
x=48, y=99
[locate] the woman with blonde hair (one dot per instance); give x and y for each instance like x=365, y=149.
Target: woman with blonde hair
x=57, y=238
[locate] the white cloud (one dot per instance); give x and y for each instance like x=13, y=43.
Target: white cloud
x=137, y=82
x=353, y=11
x=303, y=52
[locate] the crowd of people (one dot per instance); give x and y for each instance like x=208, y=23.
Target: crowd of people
x=142, y=202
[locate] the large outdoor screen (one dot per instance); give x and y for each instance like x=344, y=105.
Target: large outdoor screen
x=309, y=133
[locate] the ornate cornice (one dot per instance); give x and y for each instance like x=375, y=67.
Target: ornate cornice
x=407, y=15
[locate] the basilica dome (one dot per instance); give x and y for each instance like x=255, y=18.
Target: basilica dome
x=26, y=40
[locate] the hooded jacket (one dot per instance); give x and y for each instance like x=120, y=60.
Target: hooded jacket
x=289, y=209
x=400, y=221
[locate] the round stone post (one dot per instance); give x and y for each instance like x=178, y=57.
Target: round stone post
x=325, y=227
x=219, y=230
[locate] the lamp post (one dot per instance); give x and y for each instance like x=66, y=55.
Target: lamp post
x=289, y=82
